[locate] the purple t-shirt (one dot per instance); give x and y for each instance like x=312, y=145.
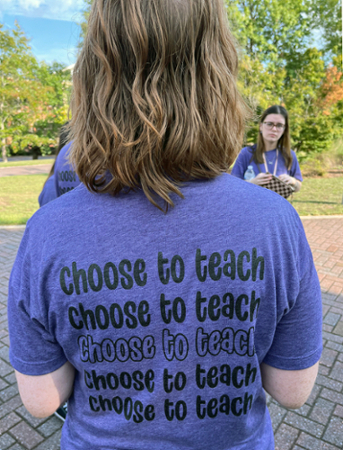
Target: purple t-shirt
x=66, y=178
x=244, y=160
x=166, y=317
x=48, y=192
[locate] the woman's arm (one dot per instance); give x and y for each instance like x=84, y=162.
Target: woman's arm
x=291, y=388
x=43, y=394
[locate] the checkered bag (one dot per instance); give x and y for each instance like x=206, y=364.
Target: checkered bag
x=278, y=186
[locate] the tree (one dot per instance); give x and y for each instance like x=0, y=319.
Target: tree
x=329, y=13
x=84, y=23
x=31, y=96
x=281, y=65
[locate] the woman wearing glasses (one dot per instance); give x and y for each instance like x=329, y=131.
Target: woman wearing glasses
x=272, y=154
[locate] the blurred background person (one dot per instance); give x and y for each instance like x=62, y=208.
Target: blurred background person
x=271, y=154
x=49, y=191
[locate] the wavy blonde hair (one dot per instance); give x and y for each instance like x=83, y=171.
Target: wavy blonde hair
x=155, y=100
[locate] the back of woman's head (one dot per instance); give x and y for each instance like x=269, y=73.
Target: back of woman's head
x=155, y=99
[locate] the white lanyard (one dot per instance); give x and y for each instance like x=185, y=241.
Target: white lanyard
x=276, y=161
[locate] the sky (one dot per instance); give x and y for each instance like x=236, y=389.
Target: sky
x=51, y=25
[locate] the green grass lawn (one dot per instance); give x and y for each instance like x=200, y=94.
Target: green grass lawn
x=19, y=197
x=319, y=197
x=31, y=162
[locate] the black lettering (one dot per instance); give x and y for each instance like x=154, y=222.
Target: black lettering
x=164, y=278
x=63, y=284
x=71, y=312
x=102, y=317
x=247, y=404
x=229, y=269
x=228, y=309
x=177, y=278
x=254, y=306
x=213, y=306
x=236, y=412
x=116, y=315
x=87, y=314
x=198, y=259
x=125, y=380
x=214, y=263
x=256, y=261
x=139, y=269
x=238, y=308
x=112, y=381
x=236, y=371
x=240, y=266
x=92, y=402
x=143, y=309
x=112, y=285
x=138, y=409
x=212, y=379
x=199, y=378
x=93, y=286
x=76, y=277
x=131, y=321
x=129, y=281
x=250, y=373
x=200, y=408
x=200, y=312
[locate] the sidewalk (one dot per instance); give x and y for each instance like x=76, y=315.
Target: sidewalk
x=318, y=425
x=25, y=170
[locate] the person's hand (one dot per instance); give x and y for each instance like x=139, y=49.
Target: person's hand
x=261, y=179
x=288, y=179
x=296, y=184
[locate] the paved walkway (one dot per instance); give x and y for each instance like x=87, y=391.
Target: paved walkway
x=318, y=425
x=24, y=170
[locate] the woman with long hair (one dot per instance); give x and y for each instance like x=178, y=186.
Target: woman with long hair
x=272, y=153
x=151, y=296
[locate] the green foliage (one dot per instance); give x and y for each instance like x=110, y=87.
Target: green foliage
x=330, y=18
x=281, y=65
x=33, y=96
x=271, y=30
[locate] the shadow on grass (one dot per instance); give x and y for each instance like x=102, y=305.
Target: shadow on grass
x=316, y=202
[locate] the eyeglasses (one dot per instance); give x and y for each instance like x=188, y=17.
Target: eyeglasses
x=271, y=125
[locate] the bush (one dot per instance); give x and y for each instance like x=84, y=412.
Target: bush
x=319, y=164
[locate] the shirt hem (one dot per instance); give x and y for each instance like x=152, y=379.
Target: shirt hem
x=303, y=362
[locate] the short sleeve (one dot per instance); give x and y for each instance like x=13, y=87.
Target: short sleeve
x=33, y=348
x=241, y=164
x=295, y=169
x=297, y=343
x=48, y=193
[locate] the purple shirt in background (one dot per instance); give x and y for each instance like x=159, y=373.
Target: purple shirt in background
x=65, y=176
x=244, y=160
x=166, y=317
x=49, y=192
